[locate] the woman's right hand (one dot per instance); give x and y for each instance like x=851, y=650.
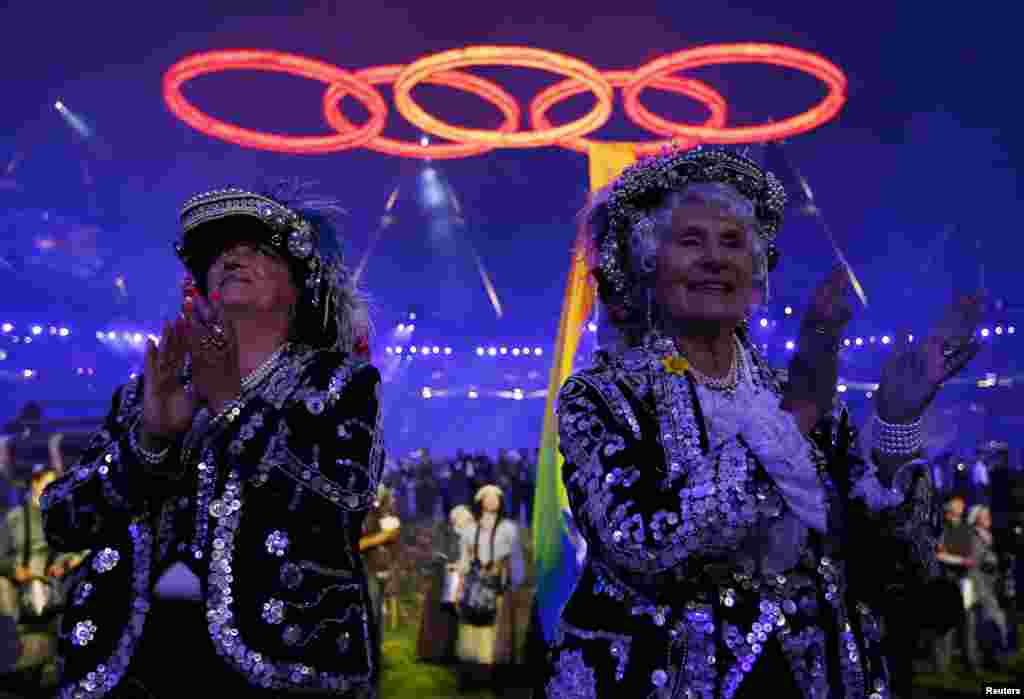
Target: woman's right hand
x=167, y=407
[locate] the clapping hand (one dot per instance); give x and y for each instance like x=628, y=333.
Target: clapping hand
x=213, y=345
x=913, y=373
x=831, y=307
x=167, y=406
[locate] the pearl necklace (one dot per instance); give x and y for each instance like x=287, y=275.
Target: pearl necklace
x=261, y=372
x=729, y=382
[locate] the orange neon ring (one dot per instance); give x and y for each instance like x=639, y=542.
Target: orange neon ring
x=702, y=92
x=485, y=89
x=575, y=69
x=785, y=56
x=274, y=62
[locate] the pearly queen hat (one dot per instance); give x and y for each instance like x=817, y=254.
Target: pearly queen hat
x=303, y=235
x=212, y=221
x=631, y=197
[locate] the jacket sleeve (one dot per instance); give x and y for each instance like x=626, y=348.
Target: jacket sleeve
x=892, y=523
x=109, y=484
x=330, y=439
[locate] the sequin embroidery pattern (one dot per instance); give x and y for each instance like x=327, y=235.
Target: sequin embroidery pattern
x=573, y=679
x=259, y=669
x=105, y=677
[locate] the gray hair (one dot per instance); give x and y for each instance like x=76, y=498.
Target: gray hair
x=350, y=306
x=975, y=512
x=646, y=238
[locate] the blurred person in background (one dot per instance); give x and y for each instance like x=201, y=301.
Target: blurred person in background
x=439, y=623
x=493, y=544
x=378, y=545
x=985, y=576
x=33, y=576
x=954, y=552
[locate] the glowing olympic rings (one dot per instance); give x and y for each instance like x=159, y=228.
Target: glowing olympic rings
x=421, y=70
x=551, y=96
x=441, y=69
x=274, y=62
x=505, y=103
x=785, y=56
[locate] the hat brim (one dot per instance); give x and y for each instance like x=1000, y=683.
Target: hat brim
x=204, y=243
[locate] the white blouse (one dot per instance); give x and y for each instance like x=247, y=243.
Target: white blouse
x=506, y=545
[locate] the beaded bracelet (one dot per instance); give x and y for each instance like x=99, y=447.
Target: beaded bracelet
x=148, y=457
x=897, y=440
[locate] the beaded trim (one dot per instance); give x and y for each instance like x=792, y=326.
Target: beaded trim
x=106, y=676
x=259, y=669
x=261, y=372
x=897, y=440
x=152, y=458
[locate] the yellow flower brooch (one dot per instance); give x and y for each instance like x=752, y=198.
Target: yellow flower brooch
x=675, y=365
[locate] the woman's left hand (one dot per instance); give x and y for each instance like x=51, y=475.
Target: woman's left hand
x=216, y=376
x=831, y=308
x=913, y=373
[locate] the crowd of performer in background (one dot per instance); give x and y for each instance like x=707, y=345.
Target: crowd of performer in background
x=477, y=509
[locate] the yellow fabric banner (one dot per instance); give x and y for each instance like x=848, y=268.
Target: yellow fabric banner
x=551, y=538
x=607, y=160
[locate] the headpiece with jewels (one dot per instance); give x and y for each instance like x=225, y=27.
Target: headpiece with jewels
x=301, y=235
x=641, y=188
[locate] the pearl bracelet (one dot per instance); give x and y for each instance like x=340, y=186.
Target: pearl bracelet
x=897, y=440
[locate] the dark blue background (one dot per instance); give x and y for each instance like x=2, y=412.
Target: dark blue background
x=916, y=176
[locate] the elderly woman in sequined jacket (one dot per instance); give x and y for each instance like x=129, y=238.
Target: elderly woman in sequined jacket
x=723, y=508
x=252, y=438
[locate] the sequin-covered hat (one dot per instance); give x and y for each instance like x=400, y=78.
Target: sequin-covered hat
x=641, y=188
x=289, y=235
x=300, y=235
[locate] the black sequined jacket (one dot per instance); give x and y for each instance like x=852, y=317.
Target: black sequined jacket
x=673, y=601
x=247, y=501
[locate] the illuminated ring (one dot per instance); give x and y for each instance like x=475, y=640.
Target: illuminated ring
x=810, y=63
x=485, y=89
x=273, y=62
x=706, y=95
x=421, y=70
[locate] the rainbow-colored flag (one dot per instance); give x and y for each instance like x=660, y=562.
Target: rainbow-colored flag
x=554, y=552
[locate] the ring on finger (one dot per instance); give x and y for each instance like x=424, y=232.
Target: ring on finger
x=208, y=342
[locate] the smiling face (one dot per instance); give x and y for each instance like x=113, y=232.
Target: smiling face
x=705, y=267
x=247, y=276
